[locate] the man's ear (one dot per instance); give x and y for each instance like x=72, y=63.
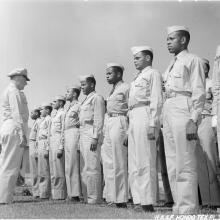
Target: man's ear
x=118, y=75
x=183, y=40
x=148, y=58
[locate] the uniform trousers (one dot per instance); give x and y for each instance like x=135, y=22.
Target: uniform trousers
x=90, y=167
x=207, y=157
x=114, y=158
x=180, y=155
x=57, y=168
x=72, y=167
x=43, y=171
x=10, y=159
x=141, y=158
x=33, y=160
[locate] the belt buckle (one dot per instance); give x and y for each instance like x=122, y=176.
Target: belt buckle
x=131, y=107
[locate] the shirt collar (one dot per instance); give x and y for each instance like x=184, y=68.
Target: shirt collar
x=90, y=94
x=144, y=70
x=118, y=83
x=181, y=54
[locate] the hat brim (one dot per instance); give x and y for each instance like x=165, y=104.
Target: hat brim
x=26, y=78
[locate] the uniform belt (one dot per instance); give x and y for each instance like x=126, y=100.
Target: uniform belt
x=205, y=115
x=86, y=123
x=139, y=105
x=73, y=126
x=42, y=138
x=31, y=139
x=177, y=93
x=116, y=114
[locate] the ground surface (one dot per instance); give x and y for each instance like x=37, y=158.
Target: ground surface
x=27, y=207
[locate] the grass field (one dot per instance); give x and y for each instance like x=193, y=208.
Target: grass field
x=26, y=207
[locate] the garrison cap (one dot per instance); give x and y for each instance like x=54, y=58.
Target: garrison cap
x=36, y=108
x=45, y=104
x=138, y=49
x=19, y=72
x=115, y=64
x=84, y=77
x=172, y=29
x=74, y=86
x=59, y=97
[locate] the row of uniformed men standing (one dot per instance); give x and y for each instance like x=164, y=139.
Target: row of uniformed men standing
x=184, y=83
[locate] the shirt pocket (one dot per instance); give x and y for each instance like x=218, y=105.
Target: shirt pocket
x=177, y=80
x=142, y=87
x=119, y=97
x=86, y=113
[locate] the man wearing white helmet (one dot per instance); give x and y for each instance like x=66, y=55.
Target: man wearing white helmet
x=185, y=97
x=92, y=111
x=43, y=140
x=114, y=152
x=56, y=148
x=145, y=104
x=207, y=150
x=70, y=140
x=33, y=151
x=13, y=133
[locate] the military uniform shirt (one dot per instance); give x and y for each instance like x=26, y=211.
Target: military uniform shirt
x=117, y=102
x=147, y=87
x=15, y=107
x=92, y=112
x=186, y=74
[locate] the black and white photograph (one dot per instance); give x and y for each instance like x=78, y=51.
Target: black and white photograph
x=110, y=109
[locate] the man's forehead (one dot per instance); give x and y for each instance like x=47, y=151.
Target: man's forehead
x=109, y=70
x=173, y=34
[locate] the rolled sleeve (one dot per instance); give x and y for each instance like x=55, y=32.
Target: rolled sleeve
x=197, y=78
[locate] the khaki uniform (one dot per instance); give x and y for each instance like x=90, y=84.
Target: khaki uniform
x=185, y=89
x=145, y=102
x=70, y=135
x=114, y=153
x=91, y=117
x=216, y=94
x=57, y=165
x=43, y=163
x=15, y=124
x=33, y=157
x=207, y=154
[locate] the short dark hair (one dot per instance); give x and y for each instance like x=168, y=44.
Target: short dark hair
x=77, y=91
x=91, y=80
x=64, y=102
x=147, y=52
x=37, y=111
x=186, y=34
x=117, y=69
x=49, y=108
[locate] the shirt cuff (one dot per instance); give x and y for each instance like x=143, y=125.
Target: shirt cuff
x=194, y=116
x=214, y=111
x=95, y=134
x=153, y=122
x=214, y=121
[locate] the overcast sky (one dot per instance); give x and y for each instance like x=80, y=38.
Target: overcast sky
x=59, y=40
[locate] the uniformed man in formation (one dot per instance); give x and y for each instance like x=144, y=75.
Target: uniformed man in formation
x=185, y=97
x=68, y=151
x=114, y=149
